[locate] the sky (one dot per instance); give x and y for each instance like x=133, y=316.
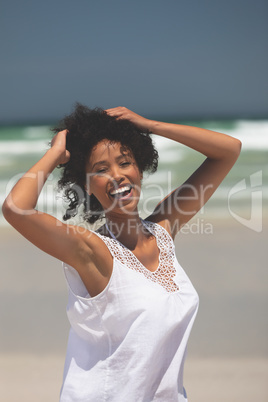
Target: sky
x=168, y=58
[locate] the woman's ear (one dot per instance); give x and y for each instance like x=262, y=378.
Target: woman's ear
x=87, y=190
x=87, y=184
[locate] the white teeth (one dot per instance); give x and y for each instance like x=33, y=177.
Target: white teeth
x=120, y=190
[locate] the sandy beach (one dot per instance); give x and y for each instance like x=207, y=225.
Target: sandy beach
x=35, y=377
x=227, y=354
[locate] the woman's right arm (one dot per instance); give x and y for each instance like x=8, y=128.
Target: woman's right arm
x=46, y=232
x=84, y=251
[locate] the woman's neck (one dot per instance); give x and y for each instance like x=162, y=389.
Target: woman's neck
x=129, y=231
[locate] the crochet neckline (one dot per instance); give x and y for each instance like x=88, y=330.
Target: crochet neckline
x=166, y=271
x=147, y=226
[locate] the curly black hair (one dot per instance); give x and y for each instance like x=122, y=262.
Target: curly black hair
x=86, y=128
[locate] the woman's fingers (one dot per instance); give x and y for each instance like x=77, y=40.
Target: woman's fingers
x=59, y=142
x=121, y=112
x=59, y=138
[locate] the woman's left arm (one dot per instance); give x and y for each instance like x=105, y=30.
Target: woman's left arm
x=221, y=153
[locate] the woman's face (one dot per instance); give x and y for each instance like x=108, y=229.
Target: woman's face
x=114, y=178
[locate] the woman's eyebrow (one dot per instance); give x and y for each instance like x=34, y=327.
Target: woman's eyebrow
x=99, y=163
x=125, y=155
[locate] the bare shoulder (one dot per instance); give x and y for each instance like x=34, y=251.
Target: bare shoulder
x=165, y=223
x=94, y=262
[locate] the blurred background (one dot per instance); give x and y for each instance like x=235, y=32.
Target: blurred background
x=197, y=63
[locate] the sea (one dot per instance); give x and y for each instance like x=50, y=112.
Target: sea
x=242, y=196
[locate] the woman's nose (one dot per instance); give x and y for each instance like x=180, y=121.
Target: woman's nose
x=116, y=174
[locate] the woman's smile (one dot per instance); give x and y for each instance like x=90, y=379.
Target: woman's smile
x=122, y=192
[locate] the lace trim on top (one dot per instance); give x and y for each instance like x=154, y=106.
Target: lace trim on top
x=165, y=272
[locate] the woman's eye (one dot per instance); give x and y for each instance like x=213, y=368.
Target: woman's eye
x=125, y=164
x=103, y=170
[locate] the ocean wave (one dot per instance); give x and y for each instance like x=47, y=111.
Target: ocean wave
x=17, y=145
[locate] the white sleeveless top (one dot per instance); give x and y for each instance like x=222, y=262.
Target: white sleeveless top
x=128, y=343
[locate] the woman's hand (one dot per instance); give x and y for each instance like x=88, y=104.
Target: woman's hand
x=123, y=113
x=58, y=143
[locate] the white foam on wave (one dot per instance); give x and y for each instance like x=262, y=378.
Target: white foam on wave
x=33, y=132
x=252, y=133
x=9, y=148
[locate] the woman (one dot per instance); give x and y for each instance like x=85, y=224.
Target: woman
x=131, y=306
